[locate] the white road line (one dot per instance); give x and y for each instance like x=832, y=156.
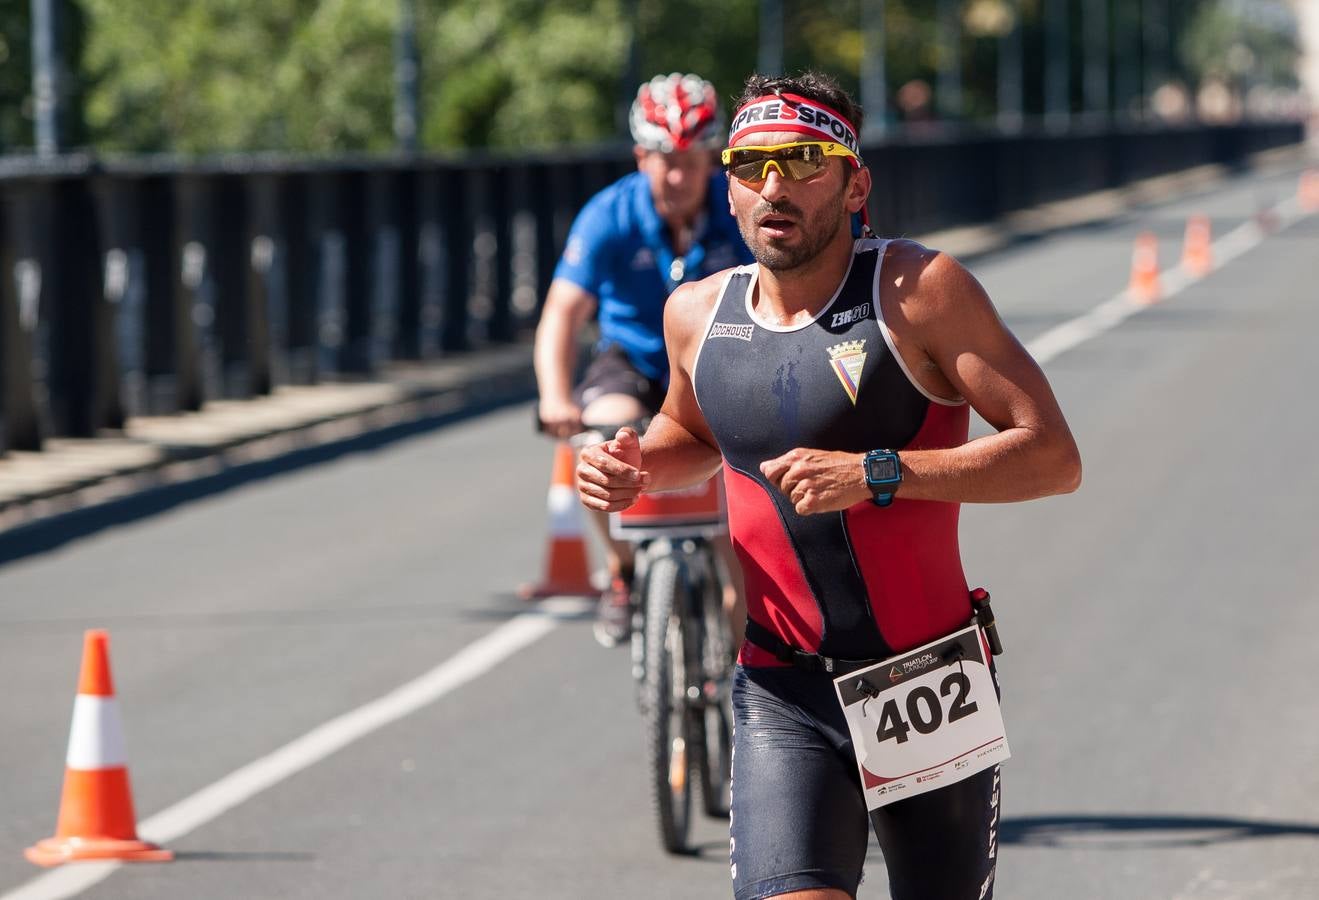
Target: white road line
x=210, y=802
x=1117, y=309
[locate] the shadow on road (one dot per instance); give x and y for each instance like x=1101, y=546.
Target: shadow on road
x=1114, y=832
x=249, y=856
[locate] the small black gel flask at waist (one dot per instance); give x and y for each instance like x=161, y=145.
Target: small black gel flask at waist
x=985, y=618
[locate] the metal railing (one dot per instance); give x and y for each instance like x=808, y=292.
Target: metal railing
x=149, y=286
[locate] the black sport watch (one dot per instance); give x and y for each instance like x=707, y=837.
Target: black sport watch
x=883, y=475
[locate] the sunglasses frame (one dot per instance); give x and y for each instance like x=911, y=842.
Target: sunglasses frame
x=829, y=148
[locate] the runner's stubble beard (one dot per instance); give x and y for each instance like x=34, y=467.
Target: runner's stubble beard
x=817, y=231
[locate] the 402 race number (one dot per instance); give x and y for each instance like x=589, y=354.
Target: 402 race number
x=925, y=710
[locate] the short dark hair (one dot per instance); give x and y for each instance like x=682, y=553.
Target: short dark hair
x=812, y=85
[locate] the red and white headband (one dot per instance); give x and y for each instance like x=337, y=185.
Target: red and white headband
x=790, y=112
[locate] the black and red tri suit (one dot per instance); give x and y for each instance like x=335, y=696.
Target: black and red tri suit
x=859, y=584
x=866, y=582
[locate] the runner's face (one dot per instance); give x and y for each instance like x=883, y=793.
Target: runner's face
x=786, y=223
x=678, y=180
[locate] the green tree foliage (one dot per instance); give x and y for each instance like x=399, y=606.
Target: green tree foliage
x=520, y=73
x=1243, y=43
x=16, y=104
x=15, y=75
x=212, y=75
x=317, y=75
x=717, y=42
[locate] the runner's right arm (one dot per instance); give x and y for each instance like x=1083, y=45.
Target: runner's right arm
x=568, y=306
x=678, y=449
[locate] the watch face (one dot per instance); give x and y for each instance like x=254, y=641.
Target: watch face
x=881, y=469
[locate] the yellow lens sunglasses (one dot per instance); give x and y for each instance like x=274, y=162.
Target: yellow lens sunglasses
x=796, y=161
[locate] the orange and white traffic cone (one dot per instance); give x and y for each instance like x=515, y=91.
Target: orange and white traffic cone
x=567, y=573
x=96, y=818
x=1197, y=253
x=1145, y=286
x=1309, y=190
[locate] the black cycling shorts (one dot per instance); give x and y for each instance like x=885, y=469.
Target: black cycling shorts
x=611, y=372
x=799, y=819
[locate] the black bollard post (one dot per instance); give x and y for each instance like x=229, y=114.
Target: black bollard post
x=126, y=291
x=197, y=326
x=71, y=264
x=300, y=281
x=457, y=240
x=386, y=266
x=330, y=292
x=230, y=261
x=408, y=187
x=267, y=307
x=433, y=263
x=355, y=356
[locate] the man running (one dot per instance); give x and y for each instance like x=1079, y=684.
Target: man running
x=632, y=244
x=834, y=380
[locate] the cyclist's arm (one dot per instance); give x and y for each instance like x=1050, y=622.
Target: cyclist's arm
x=678, y=449
x=567, y=308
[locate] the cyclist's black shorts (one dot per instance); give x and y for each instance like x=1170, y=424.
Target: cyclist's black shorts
x=611, y=372
x=799, y=820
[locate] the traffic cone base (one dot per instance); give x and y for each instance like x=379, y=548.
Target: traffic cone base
x=567, y=570
x=96, y=819
x=55, y=851
x=568, y=573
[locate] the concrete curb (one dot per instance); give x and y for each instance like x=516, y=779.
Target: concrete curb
x=152, y=452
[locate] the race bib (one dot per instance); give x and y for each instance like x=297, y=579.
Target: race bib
x=923, y=719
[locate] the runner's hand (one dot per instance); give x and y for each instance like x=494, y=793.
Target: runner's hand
x=609, y=475
x=818, y=481
x=560, y=417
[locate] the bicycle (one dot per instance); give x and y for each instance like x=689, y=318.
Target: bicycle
x=682, y=652
x=682, y=648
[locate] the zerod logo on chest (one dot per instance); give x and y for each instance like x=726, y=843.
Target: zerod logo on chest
x=848, y=316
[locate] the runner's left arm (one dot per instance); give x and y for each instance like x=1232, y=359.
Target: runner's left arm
x=957, y=346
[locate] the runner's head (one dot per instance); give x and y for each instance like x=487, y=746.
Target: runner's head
x=676, y=125
x=794, y=165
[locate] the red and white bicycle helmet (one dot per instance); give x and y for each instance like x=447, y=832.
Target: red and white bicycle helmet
x=676, y=112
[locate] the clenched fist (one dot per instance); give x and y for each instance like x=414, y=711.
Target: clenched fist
x=818, y=481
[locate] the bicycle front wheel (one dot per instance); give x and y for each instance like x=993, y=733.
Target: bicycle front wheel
x=667, y=716
x=714, y=736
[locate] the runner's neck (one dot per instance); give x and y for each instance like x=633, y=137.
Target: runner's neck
x=795, y=296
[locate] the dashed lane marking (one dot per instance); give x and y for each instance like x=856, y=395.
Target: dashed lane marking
x=1116, y=310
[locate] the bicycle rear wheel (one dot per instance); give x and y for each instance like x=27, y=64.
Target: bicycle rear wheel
x=668, y=716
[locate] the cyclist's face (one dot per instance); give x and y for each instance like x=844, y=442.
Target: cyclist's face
x=787, y=223
x=678, y=180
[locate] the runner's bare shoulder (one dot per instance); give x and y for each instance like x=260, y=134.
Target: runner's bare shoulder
x=688, y=308
x=920, y=281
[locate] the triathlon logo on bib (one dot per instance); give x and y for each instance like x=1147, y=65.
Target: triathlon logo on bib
x=848, y=359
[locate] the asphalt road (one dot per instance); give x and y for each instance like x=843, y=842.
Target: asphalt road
x=1158, y=626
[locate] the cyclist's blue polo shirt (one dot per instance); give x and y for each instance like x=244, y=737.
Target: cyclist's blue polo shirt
x=618, y=250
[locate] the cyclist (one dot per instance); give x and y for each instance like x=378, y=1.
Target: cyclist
x=633, y=243
x=828, y=353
